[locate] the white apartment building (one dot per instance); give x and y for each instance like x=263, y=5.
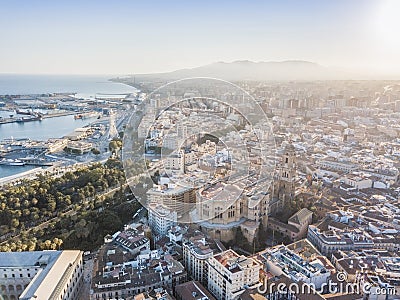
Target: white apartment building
x=336, y=165
x=357, y=180
x=170, y=141
x=196, y=253
x=230, y=274
x=161, y=218
x=175, y=161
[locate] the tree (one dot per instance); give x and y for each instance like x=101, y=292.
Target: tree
x=260, y=238
x=31, y=245
x=46, y=245
x=240, y=240
x=95, y=151
x=115, y=145
x=14, y=223
x=58, y=242
x=31, y=202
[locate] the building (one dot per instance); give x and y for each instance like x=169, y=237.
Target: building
x=79, y=147
x=358, y=180
x=192, y=290
x=175, y=234
x=377, y=268
x=172, y=197
x=246, y=211
x=196, y=252
x=301, y=220
x=296, y=227
x=284, y=186
x=230, y=274
x=329, y=241
x=118, y=276
x=156, y=294
x=280, y=260
x=161, y=218
x=175, y=161
x=330, y=164
x=345, y=231
x=133, y=241
x=41, y=275
x=281, y=288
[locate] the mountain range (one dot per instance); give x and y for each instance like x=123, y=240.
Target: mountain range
x=259, y=71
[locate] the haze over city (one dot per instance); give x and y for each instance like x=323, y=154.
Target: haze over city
x=187, y=150
x=126, y=37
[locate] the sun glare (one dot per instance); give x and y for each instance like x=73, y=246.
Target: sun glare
x=388, y=24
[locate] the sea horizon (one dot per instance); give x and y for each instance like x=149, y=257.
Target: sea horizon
x=33, y=84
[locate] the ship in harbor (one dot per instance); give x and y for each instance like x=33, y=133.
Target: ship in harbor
x=29, y=119
x=23, y=112
x=12, y=162
x=28, y=161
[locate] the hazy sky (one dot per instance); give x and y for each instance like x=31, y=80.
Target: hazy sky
x=125, y=37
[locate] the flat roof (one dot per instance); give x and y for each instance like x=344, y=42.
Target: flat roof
x=24, y=259
x=46, y=280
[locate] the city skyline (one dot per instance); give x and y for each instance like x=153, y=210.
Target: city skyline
x=127, y=37
x=223, y=150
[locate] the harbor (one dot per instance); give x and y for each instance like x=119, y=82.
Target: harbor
x=57, y=122
x=32, y=117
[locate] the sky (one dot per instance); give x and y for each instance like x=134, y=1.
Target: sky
x=131, y=37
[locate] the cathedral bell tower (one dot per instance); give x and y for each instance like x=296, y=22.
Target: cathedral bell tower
x=286, y=175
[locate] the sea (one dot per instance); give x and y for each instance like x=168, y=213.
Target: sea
x=85, y=86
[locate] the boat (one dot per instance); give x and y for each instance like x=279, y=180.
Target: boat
x=21, y=112
x=33, y=161
x=27, y=119
x=16, y=163
x=12, y=162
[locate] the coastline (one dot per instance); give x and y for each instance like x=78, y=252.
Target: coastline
x=52, y=125
x=22, y=175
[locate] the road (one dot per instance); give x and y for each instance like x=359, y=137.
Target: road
x=84, y=293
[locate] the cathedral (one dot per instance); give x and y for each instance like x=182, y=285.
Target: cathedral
x=243, y=213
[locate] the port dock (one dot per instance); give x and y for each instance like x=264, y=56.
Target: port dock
x=43, y=116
